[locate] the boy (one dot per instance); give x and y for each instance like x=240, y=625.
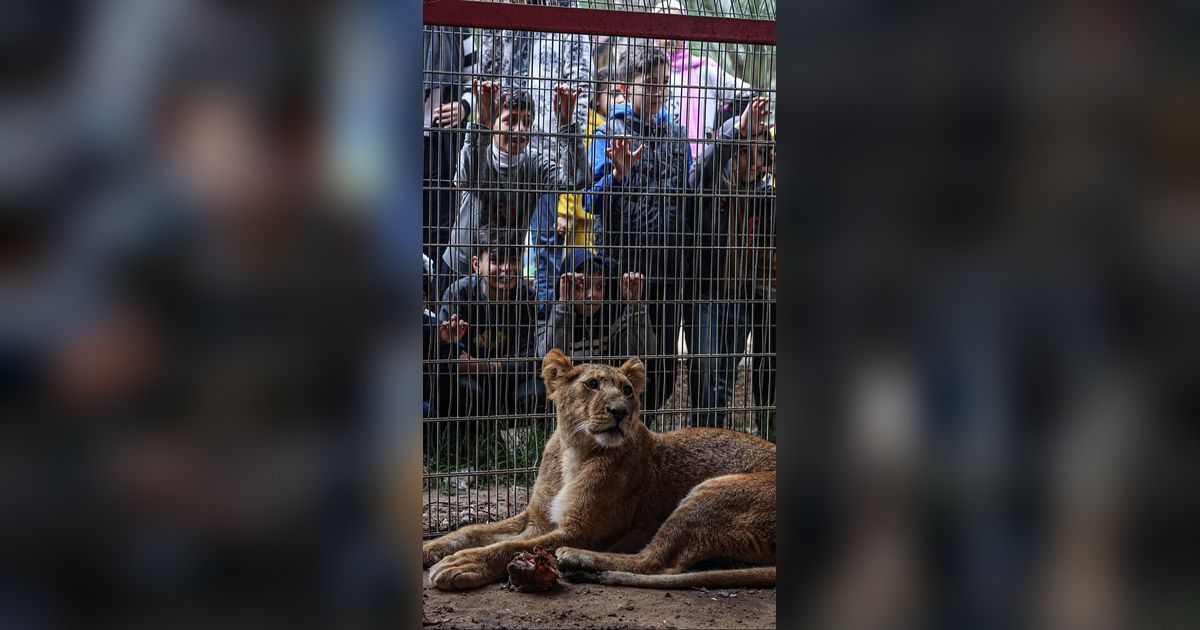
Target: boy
x=572, y=218
x=763, y=276
x=573, y=225
x=730, y=267
x=535, y=62
x=501, y=179
x=640, y=159
x=699, y=86
x=587, y=321
x=490, y=318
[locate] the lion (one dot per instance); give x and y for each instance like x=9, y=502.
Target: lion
x=624, y=505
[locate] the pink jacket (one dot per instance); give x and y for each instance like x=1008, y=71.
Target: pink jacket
x=699, y=87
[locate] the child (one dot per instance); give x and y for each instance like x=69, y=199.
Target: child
x=535, y=62
x=490, y=317
x=500, y=178
x=573, y=220
x=573, y=226
x=587, y=321
x=734, y=225
x=763, y=273
x=640, y=159
x=436, y=349
x=699, y=86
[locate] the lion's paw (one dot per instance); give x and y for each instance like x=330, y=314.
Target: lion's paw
x=571, y=558
x=465, y=569
x=433, y=551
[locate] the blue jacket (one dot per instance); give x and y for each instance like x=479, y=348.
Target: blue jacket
x=638, y=222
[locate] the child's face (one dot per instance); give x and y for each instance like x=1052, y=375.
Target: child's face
x=608, y=96
x=512, y=127
x=593, y=295
x=649, y=91
x=500, y=273
x=749, y=165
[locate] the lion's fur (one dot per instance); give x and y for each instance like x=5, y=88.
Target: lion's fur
x=623, y=507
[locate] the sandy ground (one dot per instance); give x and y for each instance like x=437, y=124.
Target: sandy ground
x=448, y=511
x=598, y=606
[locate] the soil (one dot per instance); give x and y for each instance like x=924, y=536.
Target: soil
x=598, y=606
x=444, y=512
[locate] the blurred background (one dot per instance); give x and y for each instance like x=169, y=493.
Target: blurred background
x=990, y=268
x=202, y=358
x=990, y=278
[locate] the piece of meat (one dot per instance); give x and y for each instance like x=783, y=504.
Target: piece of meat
x=537, y=571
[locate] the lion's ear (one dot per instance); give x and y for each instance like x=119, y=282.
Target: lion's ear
x=555, y=370
x=635, y=371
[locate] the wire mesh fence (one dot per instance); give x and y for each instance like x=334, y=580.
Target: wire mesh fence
x=608, y=196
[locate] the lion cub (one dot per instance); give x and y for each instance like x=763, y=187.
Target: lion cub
x=625, y=505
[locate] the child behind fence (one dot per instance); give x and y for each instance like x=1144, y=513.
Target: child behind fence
x=732, y=265
x=490, y=317
x=574, y=222
x=501, y=179
x=700, y=88
x=598, y=313
x=640, y=159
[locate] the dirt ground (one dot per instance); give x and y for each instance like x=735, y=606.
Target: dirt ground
x=598, y=606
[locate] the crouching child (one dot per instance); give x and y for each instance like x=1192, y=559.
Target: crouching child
x=598, y=313
x=490, y=316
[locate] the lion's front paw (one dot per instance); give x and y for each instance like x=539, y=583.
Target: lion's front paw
x=432, y=552
x=466, y=569
x=571, y=558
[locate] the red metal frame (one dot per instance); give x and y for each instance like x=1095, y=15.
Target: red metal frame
x=554, y=19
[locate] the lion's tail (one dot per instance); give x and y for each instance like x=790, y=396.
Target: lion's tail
x=722, y=578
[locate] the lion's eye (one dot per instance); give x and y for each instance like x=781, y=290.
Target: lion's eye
x=628, y=389
x=591, y=383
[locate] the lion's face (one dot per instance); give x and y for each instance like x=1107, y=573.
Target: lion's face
x=596, y=403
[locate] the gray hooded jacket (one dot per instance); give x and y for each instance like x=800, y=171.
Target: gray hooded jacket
x=504, y=197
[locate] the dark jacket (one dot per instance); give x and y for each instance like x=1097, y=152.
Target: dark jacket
x=638, y=221
x=502, y=330
x=734, y=230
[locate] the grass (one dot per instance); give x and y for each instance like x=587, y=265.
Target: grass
x=503, y=451
x=482, y=446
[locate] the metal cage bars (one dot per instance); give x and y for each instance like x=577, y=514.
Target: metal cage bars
x=482, y=448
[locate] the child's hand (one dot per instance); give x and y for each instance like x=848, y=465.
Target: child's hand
x=565, y=98
x=449, y=114
x=486, y=93
x=632, y=284
x=570, y=287
x=467, y=366
x=622, y=158
x=452, y=330
x=753, y=120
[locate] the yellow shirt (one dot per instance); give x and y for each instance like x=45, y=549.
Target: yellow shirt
x=571, y=205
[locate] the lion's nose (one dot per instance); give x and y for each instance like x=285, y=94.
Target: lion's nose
x=618, y=413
